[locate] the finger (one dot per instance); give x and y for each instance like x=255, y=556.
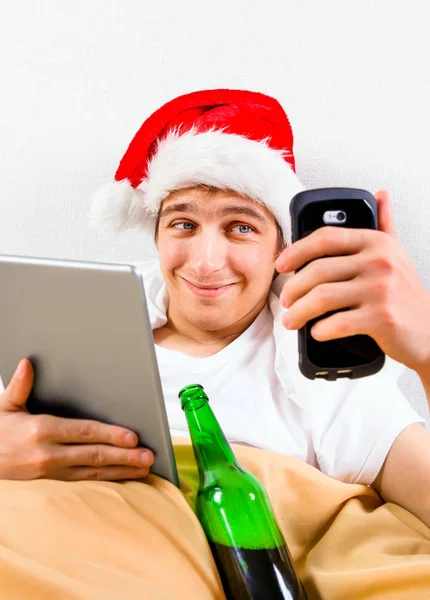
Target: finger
x=341, y=325
x=82, y=431
x=325, y=241
x=385, y=213
x=102, y=455
x=321, y=270
x=324, y=298
x=16, y=394
x=103, y=473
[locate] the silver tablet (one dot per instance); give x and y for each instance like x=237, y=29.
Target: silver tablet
x=85, y=327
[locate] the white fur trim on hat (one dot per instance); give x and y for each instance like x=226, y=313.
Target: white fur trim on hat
x=117, y=206
x=216, y=158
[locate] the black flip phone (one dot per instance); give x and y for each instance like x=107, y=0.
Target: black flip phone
x=354, y=356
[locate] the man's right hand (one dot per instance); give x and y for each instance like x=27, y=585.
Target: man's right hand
x=44, y=446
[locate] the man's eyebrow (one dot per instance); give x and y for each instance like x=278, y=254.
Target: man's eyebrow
x=187, y=207
x=243, y=210
x=235, y=209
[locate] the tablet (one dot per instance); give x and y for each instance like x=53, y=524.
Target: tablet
x=85, y=328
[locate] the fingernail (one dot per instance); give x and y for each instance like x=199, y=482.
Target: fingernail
x=20, y=369
x=130, y=439
x=279, y=265
x=314, y=333
x=146, y=458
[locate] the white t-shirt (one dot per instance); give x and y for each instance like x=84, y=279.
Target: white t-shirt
x=345, y=427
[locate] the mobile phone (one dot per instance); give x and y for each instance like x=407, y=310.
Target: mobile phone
x=354, y=356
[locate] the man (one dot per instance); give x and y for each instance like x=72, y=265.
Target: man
x=210, y=175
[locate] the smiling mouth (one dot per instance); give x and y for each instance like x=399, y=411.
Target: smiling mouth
x=210, y=287
x=208, y=291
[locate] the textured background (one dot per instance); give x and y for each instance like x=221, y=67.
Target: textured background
x=78, y=79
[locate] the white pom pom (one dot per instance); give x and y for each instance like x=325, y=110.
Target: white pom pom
x=117, y=206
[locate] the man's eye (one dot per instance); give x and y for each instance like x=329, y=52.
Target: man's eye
x=242, y=228
x=184, y=226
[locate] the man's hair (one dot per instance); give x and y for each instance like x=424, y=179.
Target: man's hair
x=211, y=190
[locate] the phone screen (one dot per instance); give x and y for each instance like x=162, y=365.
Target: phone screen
x=355, y=350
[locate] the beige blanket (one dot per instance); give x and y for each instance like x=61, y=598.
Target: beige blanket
x=135, y=540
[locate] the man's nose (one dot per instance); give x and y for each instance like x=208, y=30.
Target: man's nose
x=208, y=253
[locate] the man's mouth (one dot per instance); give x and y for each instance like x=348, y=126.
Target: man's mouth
x=208, y=291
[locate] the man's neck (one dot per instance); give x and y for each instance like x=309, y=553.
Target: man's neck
x=182, y=335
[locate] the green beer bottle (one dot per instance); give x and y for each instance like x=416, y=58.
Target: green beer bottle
x=248, y=546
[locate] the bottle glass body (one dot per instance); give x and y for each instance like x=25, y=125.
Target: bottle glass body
x=234, y=510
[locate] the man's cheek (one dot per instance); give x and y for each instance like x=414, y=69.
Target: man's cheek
x=252, y=259
x=173, y=255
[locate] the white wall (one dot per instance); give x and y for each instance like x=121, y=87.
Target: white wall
x=79, y=78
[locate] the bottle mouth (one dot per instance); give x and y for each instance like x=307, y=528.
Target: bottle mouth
x=193, y=397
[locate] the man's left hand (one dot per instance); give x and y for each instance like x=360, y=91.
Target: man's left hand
x=368, y=272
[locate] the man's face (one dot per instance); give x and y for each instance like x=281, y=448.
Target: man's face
x=217, y=255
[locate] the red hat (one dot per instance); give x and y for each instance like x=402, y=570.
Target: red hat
x=230, y=139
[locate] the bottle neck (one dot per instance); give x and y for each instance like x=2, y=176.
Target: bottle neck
x=211, y=448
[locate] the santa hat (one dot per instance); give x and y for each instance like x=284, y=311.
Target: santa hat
x=230, y=139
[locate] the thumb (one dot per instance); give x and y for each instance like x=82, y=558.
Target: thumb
x=385, y=213
x=16, y=394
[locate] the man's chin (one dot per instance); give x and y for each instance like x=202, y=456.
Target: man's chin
x=209, y=317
